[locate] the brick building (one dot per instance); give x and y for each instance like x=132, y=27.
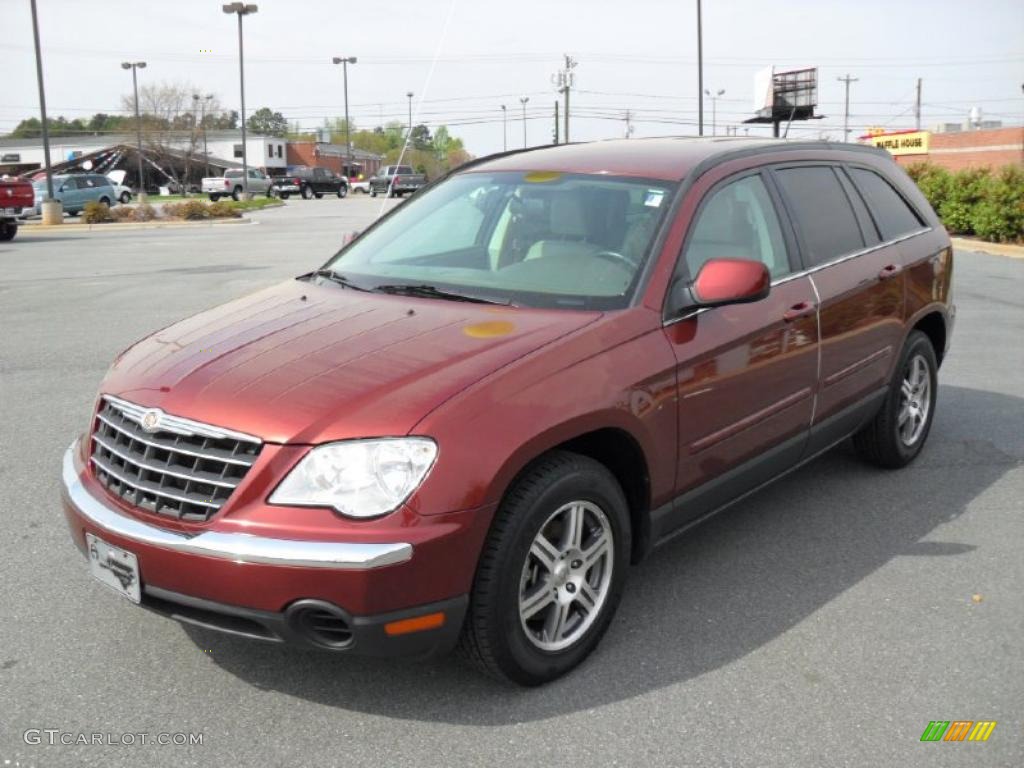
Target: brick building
x=955, y=150
x=316, y=154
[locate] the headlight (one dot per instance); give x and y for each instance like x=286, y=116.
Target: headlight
x=358, y=478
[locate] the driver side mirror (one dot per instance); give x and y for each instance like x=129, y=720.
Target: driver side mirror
x=720, y=282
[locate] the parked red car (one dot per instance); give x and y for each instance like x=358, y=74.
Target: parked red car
x=15, y=197
x=467, y=425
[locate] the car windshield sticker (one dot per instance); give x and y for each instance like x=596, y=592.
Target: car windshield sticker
x=654, y=198
x=539, y=177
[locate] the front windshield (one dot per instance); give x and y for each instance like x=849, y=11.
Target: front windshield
x=536, y=239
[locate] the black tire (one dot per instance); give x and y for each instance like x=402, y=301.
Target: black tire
x=373, y=192
x=271, y=192
x=318, y=195
x=307, y=193
x=392, y=193
x=8, y=229
x=880, y=441
x=214, y=198
x=236, y=194
x=285, y=195
x=493, y=635
x=342, y=192
x=126, y=198
x=105, y=201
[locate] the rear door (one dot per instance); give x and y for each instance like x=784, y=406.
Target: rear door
x=860, y=291
x=746, y=372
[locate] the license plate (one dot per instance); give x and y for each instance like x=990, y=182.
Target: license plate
x=12, y=211
x=114, y=567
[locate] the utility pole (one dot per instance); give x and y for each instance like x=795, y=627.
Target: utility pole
x=50, y=208
x=700, y=74
x=345, y=61
x=201, y=100
x=504, y=128
x=409, y=96
x=629, y=123
x=846, y=110
x=555, y=134
x=523, y=100
x=564, y=80
x=917, y=106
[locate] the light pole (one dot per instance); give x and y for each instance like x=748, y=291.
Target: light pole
x=50, y=208
x=242, y=9
x=714, y=104
x=523, y=100
x=409, y=95
x=348, y=128
x=135, y=66
x=504, y=128
x=202, y=100
x=700, y=74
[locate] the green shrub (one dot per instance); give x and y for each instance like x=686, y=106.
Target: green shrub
x=966, y=189
x=96, y=213
x=933, y=181
x=999, y=215
x=224, y=210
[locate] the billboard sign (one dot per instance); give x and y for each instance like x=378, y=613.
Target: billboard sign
x=908, y=143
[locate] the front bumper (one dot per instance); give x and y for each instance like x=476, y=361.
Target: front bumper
x=257, y=586
x=286, y=188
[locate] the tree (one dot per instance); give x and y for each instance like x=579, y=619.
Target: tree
x=419, y=138
x=268, y=122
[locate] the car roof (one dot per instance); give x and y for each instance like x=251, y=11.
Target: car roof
x=668, y=158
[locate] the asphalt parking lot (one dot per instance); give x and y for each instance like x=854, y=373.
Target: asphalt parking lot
x=822, y=622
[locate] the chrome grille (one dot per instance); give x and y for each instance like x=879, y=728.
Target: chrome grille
x=182, y=469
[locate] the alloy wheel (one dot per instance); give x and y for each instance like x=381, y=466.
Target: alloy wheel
x=915, y=400
x=567, y=576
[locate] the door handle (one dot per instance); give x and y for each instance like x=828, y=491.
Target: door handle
x=803, y=309
x=889, y=271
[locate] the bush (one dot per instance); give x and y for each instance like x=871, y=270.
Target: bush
x=224, y=210
x=966, y=189
x=192, y=210
x=933, y=181
x=999, y=216
x=122, y=213
x=144, y=212
x=96, y=213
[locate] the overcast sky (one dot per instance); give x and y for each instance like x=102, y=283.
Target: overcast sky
x=464, y=58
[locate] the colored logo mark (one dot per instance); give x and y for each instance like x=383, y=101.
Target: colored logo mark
x=958, y=730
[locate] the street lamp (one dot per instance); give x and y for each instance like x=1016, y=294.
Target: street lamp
x=714, y=101
x=134, y=66
x=202, y=101
x=242, y=9
x=523, y=100
x=504, y=128
x=409, y=95
x=50, y=208
x=348, y=128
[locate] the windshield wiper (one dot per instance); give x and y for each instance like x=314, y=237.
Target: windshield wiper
x=335, y=277
x=433, y=292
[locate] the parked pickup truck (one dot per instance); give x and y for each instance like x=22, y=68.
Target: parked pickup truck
x=15, y=196
x=395, y=181
x=309, y=182
x=231, y=184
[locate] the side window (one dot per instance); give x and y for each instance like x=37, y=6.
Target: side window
x=270, y=150
x=70, y=184
x=889, y=210
x=823, y=212
x=738, y=221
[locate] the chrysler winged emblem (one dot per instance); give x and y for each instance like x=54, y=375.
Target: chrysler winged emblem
x=150, y=420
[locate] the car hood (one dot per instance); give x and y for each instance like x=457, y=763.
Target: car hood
x=307, y=363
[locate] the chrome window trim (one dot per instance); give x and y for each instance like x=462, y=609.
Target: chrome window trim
x=237, y=547
x=816, y=268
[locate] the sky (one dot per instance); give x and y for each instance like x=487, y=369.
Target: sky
x=463, y=59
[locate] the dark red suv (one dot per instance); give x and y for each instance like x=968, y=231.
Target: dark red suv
x=466, y=426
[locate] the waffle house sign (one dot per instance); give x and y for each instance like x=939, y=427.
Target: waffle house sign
x=909, y=143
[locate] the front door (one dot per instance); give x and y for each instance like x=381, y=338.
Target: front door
x=746, y=373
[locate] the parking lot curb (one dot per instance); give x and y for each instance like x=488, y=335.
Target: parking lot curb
x=995, y=249
x=28, y=229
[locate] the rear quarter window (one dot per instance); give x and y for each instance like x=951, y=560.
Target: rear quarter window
x=823, y=213
x=892, y=214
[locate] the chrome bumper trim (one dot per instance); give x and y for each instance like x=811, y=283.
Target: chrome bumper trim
x=240, y=547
